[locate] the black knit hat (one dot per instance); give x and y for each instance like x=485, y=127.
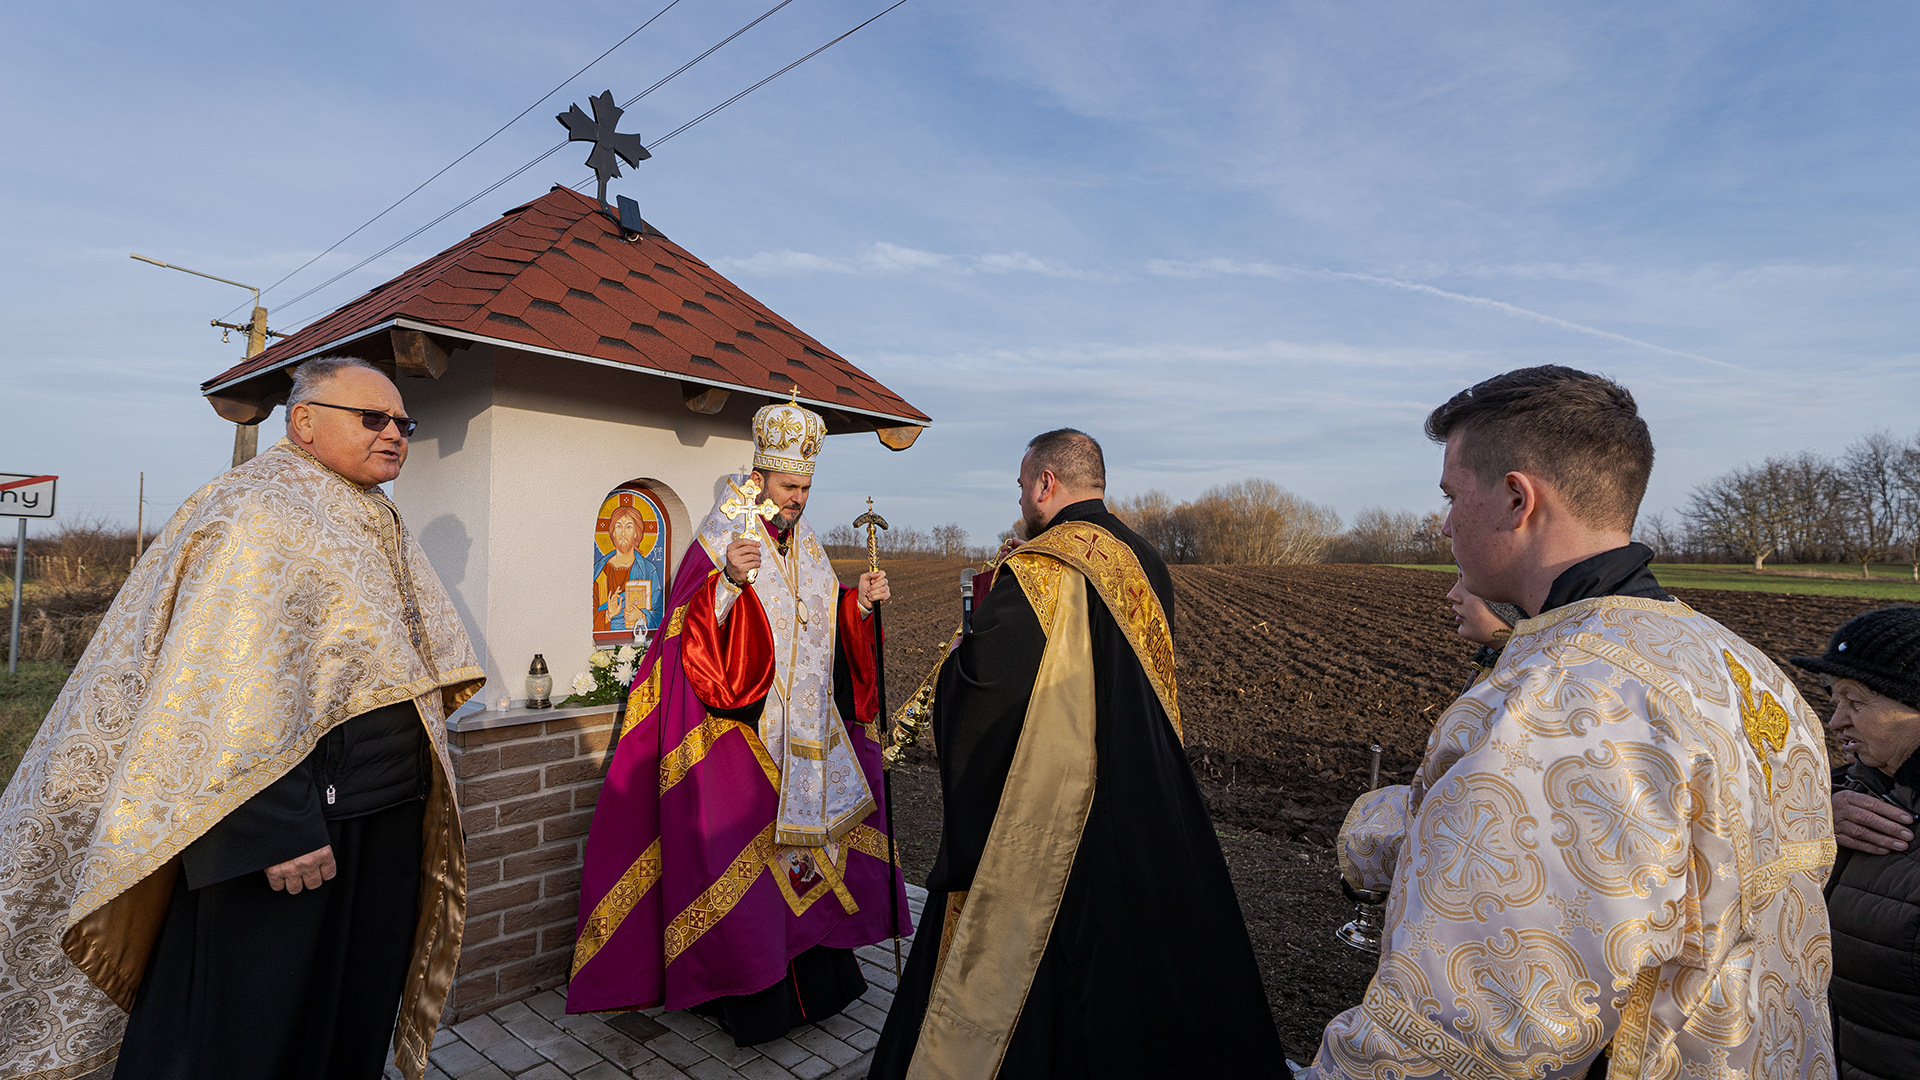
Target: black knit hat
x=1880, y=650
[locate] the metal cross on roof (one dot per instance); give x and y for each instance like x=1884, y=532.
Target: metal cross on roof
x=608, y=143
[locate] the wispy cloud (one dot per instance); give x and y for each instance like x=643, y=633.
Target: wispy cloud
x=1210, y=267
x=886, y=258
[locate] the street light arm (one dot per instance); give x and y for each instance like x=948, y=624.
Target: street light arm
x=196, y=273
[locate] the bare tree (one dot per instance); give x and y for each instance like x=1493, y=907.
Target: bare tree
x=1659, y=534
x=1868, y=507
x=1746, y=511
x=1431, y=544
x=1381, y=536
x=1259, y=522
x=1810, y=492
x=950, y=541
x=1906, y=507
x=844, y=543
x=1170, y=528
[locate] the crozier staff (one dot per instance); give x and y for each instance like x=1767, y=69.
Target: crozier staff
x=238, y=820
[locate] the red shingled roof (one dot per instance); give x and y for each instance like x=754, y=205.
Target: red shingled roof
x=556, y=275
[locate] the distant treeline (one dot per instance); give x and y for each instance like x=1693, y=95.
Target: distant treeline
x=1862, y=506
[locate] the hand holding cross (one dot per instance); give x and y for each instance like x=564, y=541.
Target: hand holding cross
x=742, y=508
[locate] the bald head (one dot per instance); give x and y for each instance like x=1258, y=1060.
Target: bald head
x=1072, y=456
x=1061, y=468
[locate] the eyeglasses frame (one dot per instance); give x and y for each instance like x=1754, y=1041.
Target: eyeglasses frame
x=406, y=425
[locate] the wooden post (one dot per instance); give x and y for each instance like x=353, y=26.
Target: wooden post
x=246, y=437
x=139, y=522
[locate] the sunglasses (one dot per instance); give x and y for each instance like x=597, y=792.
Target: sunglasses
x=374, y=419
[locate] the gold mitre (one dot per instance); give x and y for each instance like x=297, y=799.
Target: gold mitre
x=786, y=438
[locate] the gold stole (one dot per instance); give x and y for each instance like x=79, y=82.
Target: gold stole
x=996, y=931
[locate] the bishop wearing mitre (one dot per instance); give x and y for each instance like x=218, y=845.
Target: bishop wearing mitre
x=738, y=852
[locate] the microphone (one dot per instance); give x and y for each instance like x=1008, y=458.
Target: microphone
x=966, y=600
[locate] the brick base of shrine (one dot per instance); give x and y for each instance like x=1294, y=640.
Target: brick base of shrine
x=527, y=786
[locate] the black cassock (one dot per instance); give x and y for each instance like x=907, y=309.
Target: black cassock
x=1148, y=971
x=246, y=982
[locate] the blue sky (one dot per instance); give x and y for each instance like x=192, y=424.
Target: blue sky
x=1230, y=240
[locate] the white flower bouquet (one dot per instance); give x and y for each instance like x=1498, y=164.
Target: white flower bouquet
x=609, y=673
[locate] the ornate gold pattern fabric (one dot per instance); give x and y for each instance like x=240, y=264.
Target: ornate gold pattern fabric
x=1116, y=575
x=1368, y=845
x=1599, y=850
x=607, y=915
x=823, y=792
x=280, y=600
x=645, y=695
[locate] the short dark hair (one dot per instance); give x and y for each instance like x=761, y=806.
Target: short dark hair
x=1580, y=432
x=1073, y=456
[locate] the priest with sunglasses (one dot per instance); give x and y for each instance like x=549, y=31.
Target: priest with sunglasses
x=234, y=850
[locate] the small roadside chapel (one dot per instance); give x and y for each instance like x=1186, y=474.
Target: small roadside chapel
x=583, y=387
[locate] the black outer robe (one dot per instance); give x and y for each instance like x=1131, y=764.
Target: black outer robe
x=247, y=982
x=1148, y=971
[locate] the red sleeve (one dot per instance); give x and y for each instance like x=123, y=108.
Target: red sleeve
x=730, y=666
x=856, y=638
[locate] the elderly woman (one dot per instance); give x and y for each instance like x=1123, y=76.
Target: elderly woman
x=1873, y=898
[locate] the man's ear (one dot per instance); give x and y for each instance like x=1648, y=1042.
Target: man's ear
x=1525, y=494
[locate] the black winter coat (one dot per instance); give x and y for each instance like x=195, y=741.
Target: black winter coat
x=1874, y=904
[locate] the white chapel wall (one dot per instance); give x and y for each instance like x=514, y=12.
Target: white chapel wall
x=504, y=491
x=443, y=491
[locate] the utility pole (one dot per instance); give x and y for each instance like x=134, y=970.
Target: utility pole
x=140, y=522
x=246, y=437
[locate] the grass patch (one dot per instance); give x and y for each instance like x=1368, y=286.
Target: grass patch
x=25, y=698
x=1826, y=579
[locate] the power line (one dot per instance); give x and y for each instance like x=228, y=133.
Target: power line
x=517, y=118
x=630, y=101
x=775, y=75
x=761, y=83
x=550, y=152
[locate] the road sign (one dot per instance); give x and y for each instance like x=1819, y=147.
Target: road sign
x=27, y=496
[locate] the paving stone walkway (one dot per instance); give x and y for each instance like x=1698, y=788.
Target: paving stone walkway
x=536, y=1039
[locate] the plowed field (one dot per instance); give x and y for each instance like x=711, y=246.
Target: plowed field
x=1287, y=675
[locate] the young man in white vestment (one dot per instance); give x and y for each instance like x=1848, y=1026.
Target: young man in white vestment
x=1610, y=861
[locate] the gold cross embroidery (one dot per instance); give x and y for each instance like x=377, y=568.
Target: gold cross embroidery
x=1763, y=717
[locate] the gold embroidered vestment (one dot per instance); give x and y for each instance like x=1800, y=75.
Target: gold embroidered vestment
x=1618, y=837
x=279, y=601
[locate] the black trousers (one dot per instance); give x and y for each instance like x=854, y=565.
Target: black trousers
x=246, y=983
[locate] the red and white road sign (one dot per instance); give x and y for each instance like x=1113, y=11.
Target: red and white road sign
x=23, y=495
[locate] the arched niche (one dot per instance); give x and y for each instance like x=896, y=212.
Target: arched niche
x=632, y=561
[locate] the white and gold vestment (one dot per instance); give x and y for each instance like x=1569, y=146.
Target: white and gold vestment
x=280, y=601
x=823, y=792
x=1617, y=838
